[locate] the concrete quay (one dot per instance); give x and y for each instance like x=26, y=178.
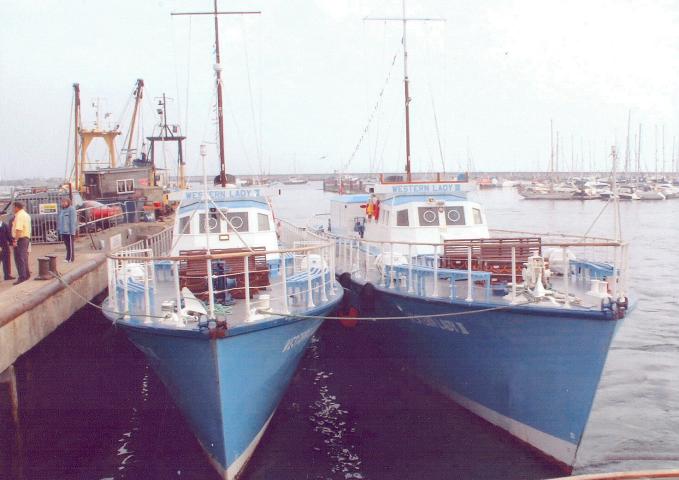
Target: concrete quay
x=32, y=310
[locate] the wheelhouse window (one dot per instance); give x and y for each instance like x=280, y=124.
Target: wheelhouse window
x=478, y=220
x=402, y=218
x=239, y=221
x=125, y=186
x=263, y=222
x=213, y=222
x=428, y=216
x=185, y=225
x=454, y=215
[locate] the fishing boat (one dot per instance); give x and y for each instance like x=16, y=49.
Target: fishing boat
x=223, y=305
x=513, y=326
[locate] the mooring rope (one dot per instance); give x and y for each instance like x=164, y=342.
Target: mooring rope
x=305, y=317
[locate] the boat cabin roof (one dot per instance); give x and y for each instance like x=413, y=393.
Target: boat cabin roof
x=255, y=202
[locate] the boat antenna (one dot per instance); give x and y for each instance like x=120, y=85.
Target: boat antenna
x=406, y=80
x=218, y=81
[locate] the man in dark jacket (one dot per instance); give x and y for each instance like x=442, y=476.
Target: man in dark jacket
x=5, y=244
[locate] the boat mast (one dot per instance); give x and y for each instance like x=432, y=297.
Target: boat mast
x=220, y=113
x=406, y=82
x=76, y=133
x=407, y=96
x=218, y=81
x=138, y=95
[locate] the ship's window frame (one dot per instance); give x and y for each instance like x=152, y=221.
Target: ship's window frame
x=402, y=218
x=243, y=226
x=454, y=221
x=126, y=184
x=263, y=217
x=184, y=221
x=478, y=218
x=422, y=211
x=214, y=222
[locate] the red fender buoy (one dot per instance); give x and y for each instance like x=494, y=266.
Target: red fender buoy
x=348, y=318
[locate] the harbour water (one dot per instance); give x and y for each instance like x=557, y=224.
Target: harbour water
x=91, y=408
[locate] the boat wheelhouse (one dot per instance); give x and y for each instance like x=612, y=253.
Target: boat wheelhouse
x=236, y=218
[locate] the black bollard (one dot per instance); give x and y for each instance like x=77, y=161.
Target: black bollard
x=53, y=263
x=43, y=269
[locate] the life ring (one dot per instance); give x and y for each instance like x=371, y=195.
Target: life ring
x=348, y=318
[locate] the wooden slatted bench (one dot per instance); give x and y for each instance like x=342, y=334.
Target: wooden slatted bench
x=496, y=256
x=491, y=254
x=298, y=283
x=194, y=276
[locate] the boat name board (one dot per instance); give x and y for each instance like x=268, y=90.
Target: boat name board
x=298, y=339
x=448, y=325
x=221, y=194
x=418, y=188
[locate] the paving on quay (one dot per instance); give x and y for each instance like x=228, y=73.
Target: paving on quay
x=33, y=309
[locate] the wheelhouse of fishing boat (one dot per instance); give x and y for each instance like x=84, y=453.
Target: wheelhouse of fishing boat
x=410, y=212
x=233, y=218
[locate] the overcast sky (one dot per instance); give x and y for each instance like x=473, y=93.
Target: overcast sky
x=302, y=81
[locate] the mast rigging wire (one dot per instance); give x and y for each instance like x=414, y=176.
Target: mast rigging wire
x=256, y=131
x=376, y=108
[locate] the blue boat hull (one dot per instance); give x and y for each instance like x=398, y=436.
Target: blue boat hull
x=228, y=388
x=530, y=371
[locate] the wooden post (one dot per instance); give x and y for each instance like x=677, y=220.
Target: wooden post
x=15, y=453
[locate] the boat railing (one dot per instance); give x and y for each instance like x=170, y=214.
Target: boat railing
x=178, y=290
x=594, y=261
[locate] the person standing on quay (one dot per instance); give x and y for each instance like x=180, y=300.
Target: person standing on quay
x=21, y=232
x=5, y=246
x=67, y=225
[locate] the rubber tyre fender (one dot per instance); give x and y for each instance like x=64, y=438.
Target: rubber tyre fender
x=366, y=298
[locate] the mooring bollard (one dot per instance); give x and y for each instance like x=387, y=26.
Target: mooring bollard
x=53, y=263
x=43, y=269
